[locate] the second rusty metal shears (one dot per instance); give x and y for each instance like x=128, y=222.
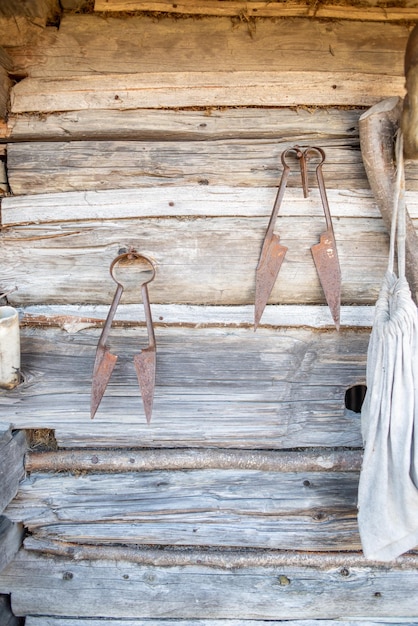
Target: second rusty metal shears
x=324, y=253
x=144, y=361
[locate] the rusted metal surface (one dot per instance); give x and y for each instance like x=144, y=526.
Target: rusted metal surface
x=324, y=253
x=144, y=361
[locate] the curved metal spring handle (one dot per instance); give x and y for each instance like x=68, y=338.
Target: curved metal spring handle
x=130, y=255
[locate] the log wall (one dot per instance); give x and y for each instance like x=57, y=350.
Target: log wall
x=125, y=128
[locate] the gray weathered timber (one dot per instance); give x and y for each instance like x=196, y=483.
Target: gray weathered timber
x=56, y=621
x=226, y=387
x=314, y=125
x=73, y=318
x=42, y=585
x=6, y=616
x=11, y=538
x=186, y=202
x=12, y=452
x=140, y=460
x=288, y=511
x=50, y=167
x=196, y=89
x=198, y=260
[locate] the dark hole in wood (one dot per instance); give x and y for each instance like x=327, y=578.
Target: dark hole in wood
x=354, y=397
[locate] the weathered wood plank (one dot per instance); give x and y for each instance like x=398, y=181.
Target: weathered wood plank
x=224, y=508
x=253, y=9
x=188, y=89
x=215, y=388
x=11, y=539
x=314, y=125
x=6, y=616
x=23, y=23
x=354, y=64
x=107, y=45
x=12, y=451
x=43, y=586
x=198, y=260
x=56, y=621
x=73, y=318
x=186, y=201
x=49, y=167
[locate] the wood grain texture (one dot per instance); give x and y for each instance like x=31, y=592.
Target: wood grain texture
x=49, y=167
x=128, y=590
x=198, y=260
x=289, y=511
x=140, y=460
x=73, y=318
x=215, y=388
x=12, y=451
x=106, y=45
x=253, y=9
x=11, y=539
x=196, y=89
x=56, y=621
x=6, y=616
x=187, y=202
x=355, y=63
x=310, y=125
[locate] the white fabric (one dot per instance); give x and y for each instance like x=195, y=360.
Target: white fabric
x=388, y=489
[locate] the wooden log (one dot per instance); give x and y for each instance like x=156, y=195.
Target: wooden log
x=149, y=460
x=308, y=125
x=56, y=621
x=191, y=89
x=378, y=128
x=198, y=260
x=11, y=539
x=23, y=23
x=143, y=46
x=253, y=9
x=271, y=67
x=12, y=451
x=73, y=318
x=216, y=387
x=213, y=508
x=6, y=616
x=186, y=202
x=50, y=167
x=42, y=585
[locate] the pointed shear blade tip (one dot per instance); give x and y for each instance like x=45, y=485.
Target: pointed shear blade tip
x=145, y=366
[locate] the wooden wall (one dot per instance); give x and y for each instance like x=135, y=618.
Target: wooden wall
x=237, y=504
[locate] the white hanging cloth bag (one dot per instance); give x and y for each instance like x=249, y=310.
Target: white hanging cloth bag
x=388, y=489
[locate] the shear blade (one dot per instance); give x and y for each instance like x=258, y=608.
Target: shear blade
x=327, y=265
x=145, y=365
x=103, y=369
x=267, y=270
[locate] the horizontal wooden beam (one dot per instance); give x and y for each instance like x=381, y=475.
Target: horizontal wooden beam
x=56, y=621
x=13, y=447
x=149, y=460
x=73, y=318
x=303, y=510
x=254, y=8
x=230, y=588
x=187, y=89
x=216, y=387
x=308, y=125
x=198, y=260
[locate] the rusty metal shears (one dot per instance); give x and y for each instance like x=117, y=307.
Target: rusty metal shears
x=324, y=253
x=144, y=361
